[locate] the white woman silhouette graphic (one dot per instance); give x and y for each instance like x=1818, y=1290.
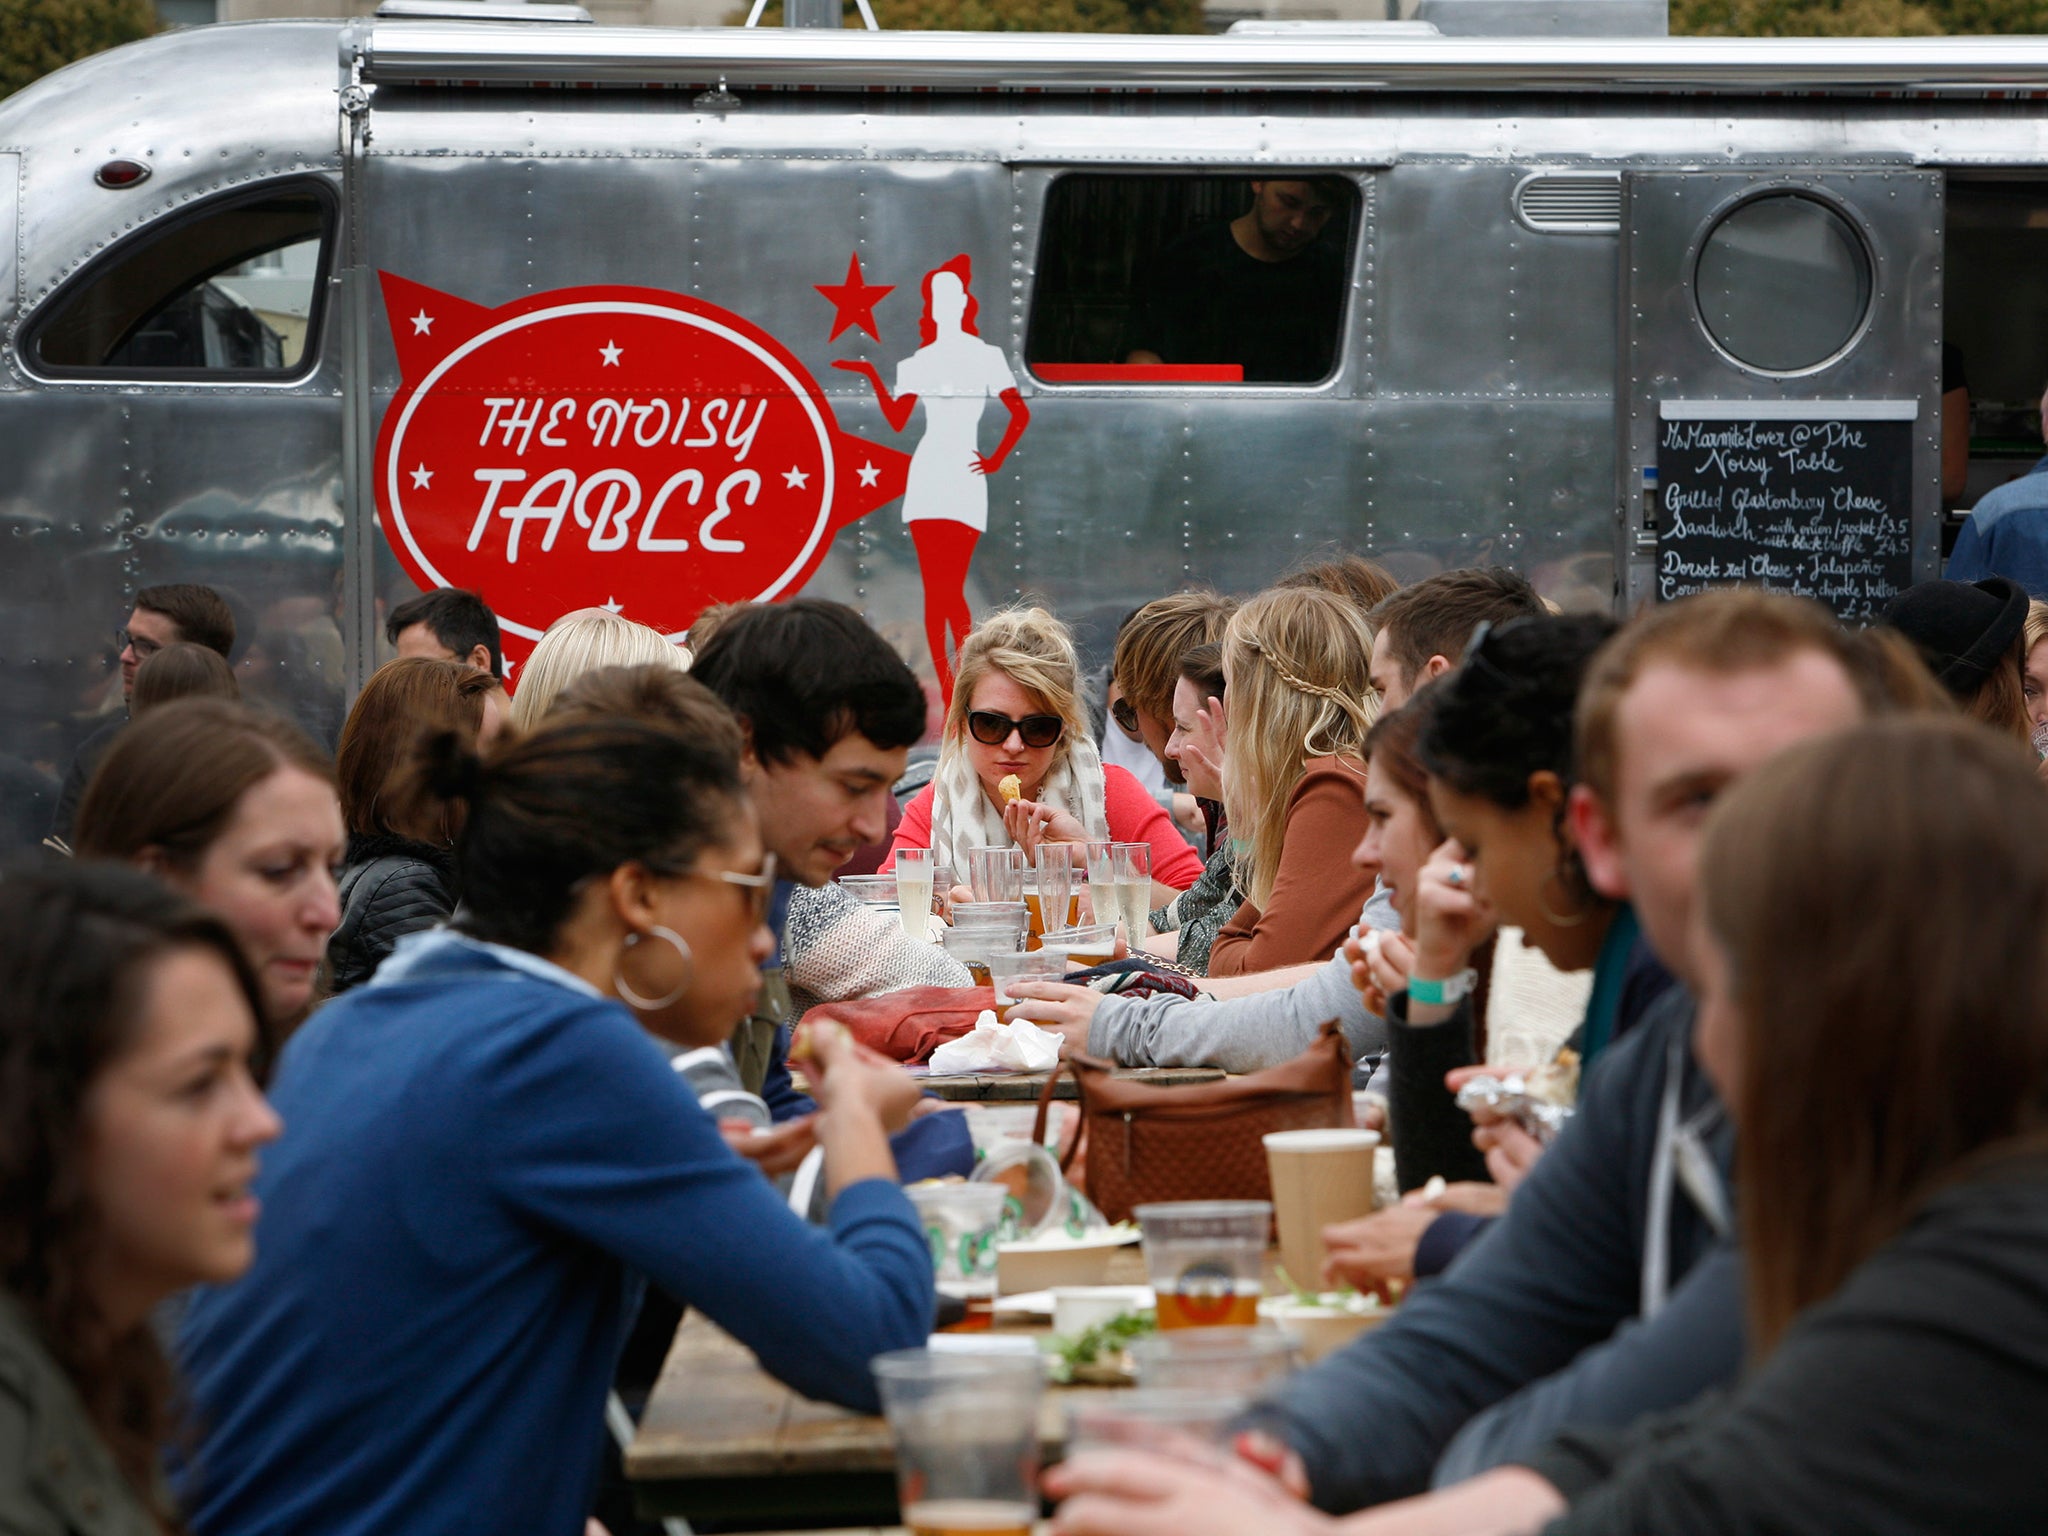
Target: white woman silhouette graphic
x=945, y=500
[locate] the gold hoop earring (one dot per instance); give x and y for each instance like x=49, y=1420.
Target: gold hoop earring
x=1570, y=920
x=634, y=999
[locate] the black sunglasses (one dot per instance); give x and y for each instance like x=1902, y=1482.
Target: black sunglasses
x=992, y=729
x=1126, y=714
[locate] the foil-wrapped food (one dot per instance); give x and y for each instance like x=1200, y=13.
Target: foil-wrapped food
x=1540, y=1101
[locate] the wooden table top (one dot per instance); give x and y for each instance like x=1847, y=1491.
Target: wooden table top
x=716, y=1414
x=1014, y=1087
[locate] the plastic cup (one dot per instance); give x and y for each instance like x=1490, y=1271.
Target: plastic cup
x=1042, y=965
x=1083, y=947
x=996, y=874
x=1206, y=1260
x=972, y=947
x=1246, y=1360
x=1151, y=1418
x=871, y=890
x=1049, y=893
x=1319, y=1177
x=961, y=1223
x=965, y=1429
x=1002, y=922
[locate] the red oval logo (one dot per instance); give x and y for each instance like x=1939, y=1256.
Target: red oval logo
x=624, y=448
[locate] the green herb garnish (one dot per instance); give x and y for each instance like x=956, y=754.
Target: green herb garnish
x=1091, y=1344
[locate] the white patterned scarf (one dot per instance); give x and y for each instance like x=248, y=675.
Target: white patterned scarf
x=962, y=817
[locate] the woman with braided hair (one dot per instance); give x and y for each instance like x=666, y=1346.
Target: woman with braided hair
x=1295, y=662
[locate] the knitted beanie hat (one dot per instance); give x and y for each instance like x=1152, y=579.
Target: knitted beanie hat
x=1963, y=629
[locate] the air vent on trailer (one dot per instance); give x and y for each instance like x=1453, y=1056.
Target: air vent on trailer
x=1571, y=204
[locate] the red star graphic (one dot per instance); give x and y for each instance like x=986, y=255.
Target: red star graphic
x=854, y=301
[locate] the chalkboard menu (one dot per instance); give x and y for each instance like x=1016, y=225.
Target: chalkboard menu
x=1812, y=497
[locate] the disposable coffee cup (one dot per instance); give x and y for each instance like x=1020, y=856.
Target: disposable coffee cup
x=1319, y=1177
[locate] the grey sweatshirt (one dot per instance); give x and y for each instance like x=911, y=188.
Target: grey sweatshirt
x=1242, y=1034
x=1542, y=1300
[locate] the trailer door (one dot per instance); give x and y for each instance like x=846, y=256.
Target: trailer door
x=1779, y=383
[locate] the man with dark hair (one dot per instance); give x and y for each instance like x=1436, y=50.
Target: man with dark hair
x=1263, y=290
x=828, y=713
x=162, y=616
x=1421, y=631
x=447, y=624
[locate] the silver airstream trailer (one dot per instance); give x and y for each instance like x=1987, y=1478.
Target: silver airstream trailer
x=320, y=313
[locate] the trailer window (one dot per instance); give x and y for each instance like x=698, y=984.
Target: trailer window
x=1783, y=283
x=232, y=290
x=1192, y=279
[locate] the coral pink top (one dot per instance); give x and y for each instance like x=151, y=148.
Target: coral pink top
x=1134, y=817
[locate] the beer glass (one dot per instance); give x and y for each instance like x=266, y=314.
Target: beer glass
x=1044, y=965
x=965, y=1429
x=1206, y=1260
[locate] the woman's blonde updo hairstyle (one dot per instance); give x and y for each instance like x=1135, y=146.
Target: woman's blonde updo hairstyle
x=1036, y=652
x=1296, y=661
x=582, y=642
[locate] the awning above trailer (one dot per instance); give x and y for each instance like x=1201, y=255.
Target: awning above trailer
x=428, y=53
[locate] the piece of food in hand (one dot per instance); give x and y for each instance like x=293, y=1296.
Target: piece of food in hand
x=1010, y=787
x=1558, y=1082
x=805, y=1047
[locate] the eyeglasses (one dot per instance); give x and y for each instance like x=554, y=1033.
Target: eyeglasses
x=144, y=647
x=760, y=888
x=1126, y=714
x=992, y=729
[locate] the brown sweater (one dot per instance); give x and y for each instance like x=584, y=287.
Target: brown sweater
x=1317, y=891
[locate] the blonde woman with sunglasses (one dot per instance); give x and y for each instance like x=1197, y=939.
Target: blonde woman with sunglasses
x=1017, y=714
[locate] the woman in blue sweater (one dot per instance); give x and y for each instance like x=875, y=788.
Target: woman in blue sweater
x=486, y=1156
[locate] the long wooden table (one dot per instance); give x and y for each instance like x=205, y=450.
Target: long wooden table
x=1025, y=1087
x=721, y=1440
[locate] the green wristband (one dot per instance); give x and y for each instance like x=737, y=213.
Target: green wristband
x=1438, y=994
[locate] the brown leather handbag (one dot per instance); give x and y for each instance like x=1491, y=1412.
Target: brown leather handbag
x=1201, y=1141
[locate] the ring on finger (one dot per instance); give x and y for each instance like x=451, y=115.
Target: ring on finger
x=1455, y=875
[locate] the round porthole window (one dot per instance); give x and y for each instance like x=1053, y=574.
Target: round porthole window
x=1783, y=283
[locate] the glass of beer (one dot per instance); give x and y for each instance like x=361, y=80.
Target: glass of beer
x=1134, y=890
x=973, y=946
x=914, y=891
x=1043, y=965
x=966, y=1433
x=996, y=874
x=1084, y=947
x=1206, y=1260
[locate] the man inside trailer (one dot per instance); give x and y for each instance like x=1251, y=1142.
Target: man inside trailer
x=1264, y=290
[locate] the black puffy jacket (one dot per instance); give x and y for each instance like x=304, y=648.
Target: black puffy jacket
x=391, y=886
